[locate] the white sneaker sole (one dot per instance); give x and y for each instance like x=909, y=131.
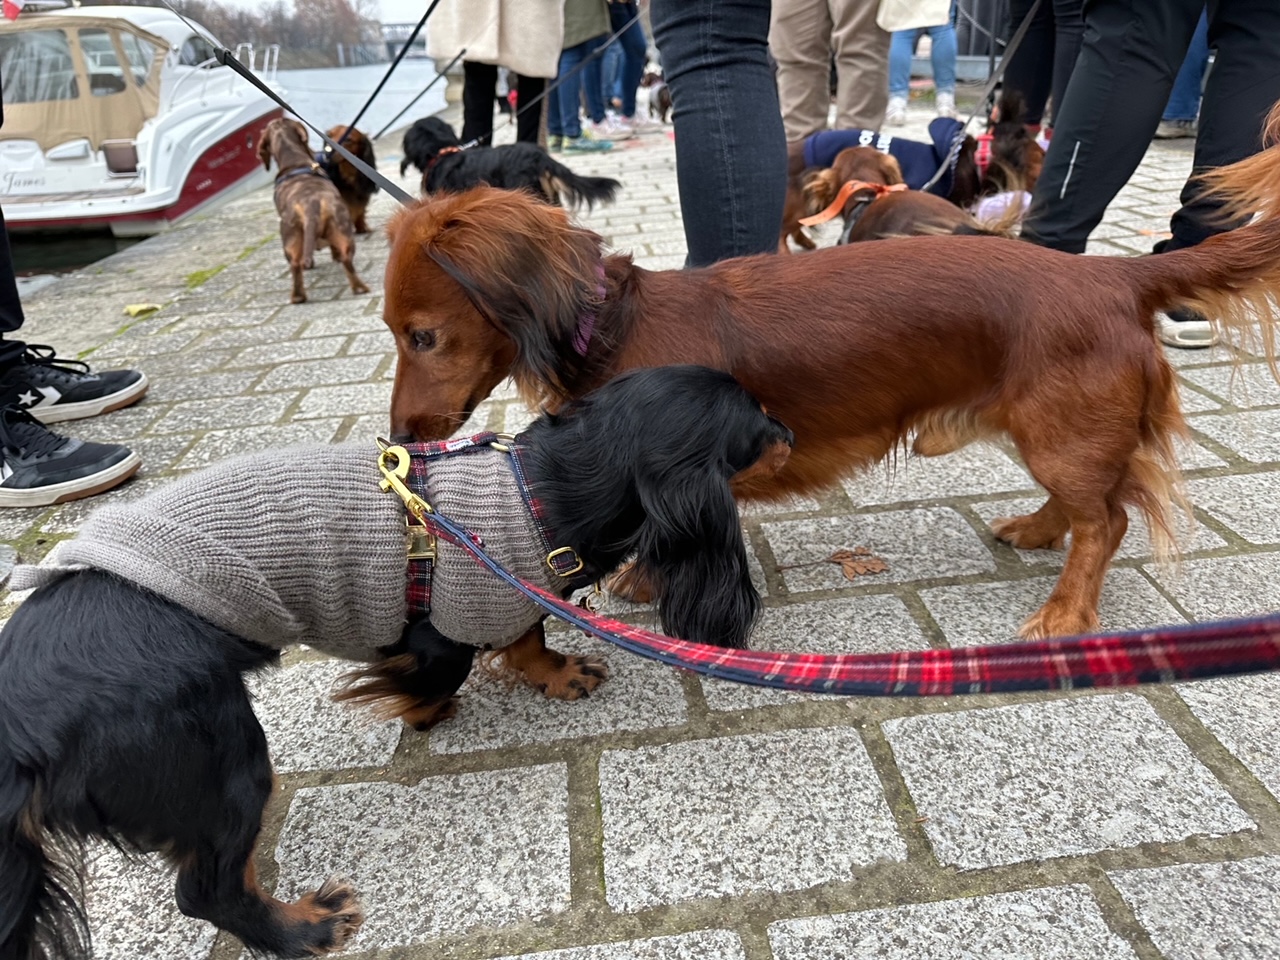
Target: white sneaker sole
x=59, y=412
x=72, y=489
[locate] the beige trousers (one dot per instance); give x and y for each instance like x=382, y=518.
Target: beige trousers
x=802, y=35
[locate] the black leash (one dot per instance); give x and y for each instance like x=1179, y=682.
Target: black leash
x=434, y=80
x=595, y=54
x=392, y=69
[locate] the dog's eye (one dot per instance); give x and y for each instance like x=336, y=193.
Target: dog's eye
x=423, y=339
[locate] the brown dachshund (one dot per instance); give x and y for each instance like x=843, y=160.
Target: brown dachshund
x=311, y=209
x=356, y=189
x=857, y=348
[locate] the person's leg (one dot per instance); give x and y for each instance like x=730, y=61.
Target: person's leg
x=1184, y=101
x=901, y=49
x=634, y=49
x=479, y=88
x=11, y=315
x=800, y=39
x=569, y=94
x=862, y=64
x=1028, y=72
x=1068, y=34
x=1243, y=85
x=1113, y=103
x=942, y=54
x=529, y=89
x=591, y=78
x=731, y=152
x=610, y=68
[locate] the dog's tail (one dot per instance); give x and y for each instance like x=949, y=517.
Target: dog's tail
x=1232, y=278
x=40, y=918
x=308, y=245
x=559, y=180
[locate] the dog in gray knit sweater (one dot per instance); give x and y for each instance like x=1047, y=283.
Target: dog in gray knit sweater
x=123, y=709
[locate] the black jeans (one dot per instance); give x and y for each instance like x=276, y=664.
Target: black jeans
x=479, y=93
x=11, y=315
x=1131, y=55
x=731, y=153
x=1043, y=62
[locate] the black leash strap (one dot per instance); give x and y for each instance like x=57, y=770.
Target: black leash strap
x=434, y=80
x=595, y=54
x=391, y=69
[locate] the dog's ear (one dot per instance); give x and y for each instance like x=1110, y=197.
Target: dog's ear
x=967, y=184
x=264, y=145
x=527, y=270
x=819, y=188
x=890, y=170
x=692, y=546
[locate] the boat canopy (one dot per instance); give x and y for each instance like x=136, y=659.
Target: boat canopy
x=66, y=78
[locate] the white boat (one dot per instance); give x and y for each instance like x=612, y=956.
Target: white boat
x=121, y=118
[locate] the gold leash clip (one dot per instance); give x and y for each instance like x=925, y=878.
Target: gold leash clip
x=393, y=461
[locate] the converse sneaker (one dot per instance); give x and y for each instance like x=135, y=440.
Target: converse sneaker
x=896, y=114
x=53, y=389
x=38, y=467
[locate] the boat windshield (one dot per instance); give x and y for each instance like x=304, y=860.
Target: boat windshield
x=37, y=66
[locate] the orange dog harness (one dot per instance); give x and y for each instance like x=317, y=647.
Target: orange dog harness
x=849, y=189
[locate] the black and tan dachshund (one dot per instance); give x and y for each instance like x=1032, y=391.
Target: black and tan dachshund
x=124, y=715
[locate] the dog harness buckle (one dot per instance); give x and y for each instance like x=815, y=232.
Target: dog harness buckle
x=569, y=554
x=419, y=542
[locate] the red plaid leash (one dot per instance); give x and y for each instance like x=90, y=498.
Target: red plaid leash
x=1187, y=652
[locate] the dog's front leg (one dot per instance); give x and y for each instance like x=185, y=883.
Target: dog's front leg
x=558, y=675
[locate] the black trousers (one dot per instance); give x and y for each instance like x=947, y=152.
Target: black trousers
x=1044, y=61
x=1131, y=53
x=479, y=91
x=11, y=315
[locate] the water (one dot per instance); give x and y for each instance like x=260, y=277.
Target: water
x=327, y=97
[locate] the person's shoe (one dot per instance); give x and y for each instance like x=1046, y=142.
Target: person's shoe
x=39, y=467
x=642, y=124
x=946, y=105
x=609, y=129
x=555, y=143
x=586, y=144
x=1175, y=129
x=1185, y=329
x=53, y=389
x=896, y=114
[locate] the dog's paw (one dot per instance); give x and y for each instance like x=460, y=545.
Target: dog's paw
x=1058, y=620
x=630, y=583
x=1029, y=532
x=337, y=913
x=298, y=298
x=359, y=287
x=426, y=716
x=577, y=678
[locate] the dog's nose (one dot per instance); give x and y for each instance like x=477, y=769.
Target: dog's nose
x=788, y=437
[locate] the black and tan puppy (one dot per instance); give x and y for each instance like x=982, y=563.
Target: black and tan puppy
x=356, y=189
x=123, y=708
x=433, y=147
x=312, y=212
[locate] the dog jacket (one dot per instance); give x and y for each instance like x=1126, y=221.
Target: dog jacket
x=302, y=546
x=919, y=161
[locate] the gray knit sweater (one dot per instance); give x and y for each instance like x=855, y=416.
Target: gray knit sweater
x=301, y=546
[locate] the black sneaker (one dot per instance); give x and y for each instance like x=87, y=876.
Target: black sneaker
x=38, y=467
x=52, y=389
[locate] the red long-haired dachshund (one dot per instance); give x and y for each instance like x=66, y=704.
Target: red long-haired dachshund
x=857, y=348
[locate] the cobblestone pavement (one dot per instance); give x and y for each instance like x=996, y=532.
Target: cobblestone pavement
x=670, y=818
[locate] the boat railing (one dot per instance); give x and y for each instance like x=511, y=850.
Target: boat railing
x=271, y=62
x=203, y=70
x=244, y=46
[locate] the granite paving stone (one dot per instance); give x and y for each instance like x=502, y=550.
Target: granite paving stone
x=219, y=444
x=314, y=348
x=306, y=730
x=225, y=413
x=1244, y=714
x=202, y=386
x=501, y=838
x=981, y=613
x=377, y=341
x=703, y=945
x=310, y=373
x=1042, y=780
x=353, y=398
x=1246, y=385
x=1224, y=587
x=1244, y=502
x=1054, y=923
x=976, y=469
x=731, y=815
x=871, y=624
x=344, y=320
x=1253, y=434
x=1208, y=911
x=928, y=542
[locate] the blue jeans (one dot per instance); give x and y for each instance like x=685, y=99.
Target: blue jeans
x=731, y=152
x=942, y=53
x=1184, y=101
x=562, y=113
x=625, y=78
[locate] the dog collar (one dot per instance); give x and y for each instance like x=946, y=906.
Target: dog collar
x=312, y=170
x=836, y=207
x=405, y=469
x=442, y=152
x=587, y=319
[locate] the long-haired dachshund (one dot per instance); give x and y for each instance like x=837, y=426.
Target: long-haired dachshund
x=124, y=713
x=432, y=146
x=312, y=211
x=356, y=189
x=857, y=348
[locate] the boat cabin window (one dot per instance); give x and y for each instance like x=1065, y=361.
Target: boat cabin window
x=196, y=51
x=106, y=76
x=36, y=65
x=141, y=56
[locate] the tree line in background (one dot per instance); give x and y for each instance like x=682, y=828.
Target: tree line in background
x=308, y=31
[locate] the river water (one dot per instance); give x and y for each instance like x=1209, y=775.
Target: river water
x=326, y=97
